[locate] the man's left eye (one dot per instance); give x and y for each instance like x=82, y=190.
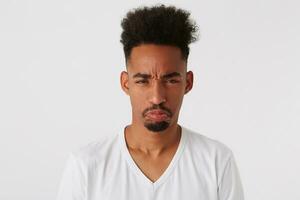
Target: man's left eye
x=173, y=81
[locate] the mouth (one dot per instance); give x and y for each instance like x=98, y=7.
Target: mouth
x=157, y=115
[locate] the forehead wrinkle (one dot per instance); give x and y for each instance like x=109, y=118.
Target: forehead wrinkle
x=150, y=67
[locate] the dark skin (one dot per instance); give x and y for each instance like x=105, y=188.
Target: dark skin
x=157, y=78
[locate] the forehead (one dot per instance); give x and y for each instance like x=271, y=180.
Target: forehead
x=156, y=59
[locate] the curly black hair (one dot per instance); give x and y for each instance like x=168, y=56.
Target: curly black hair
x=158, y=25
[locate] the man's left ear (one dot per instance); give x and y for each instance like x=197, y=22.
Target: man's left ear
x=189, y=81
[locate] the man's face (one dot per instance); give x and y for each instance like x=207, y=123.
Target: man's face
x=156, y=81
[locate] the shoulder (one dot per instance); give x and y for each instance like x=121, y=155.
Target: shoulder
x=96, y=151
x=83, y=162
x=208, y=147
x=210, y=153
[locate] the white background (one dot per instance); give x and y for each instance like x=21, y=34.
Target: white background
x=60, y=63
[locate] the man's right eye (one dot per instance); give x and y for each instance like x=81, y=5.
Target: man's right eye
x=141, y=81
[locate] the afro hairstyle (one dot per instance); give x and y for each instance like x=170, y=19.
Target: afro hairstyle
x=160, y=24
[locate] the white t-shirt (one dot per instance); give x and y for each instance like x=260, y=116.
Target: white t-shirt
x=201, y=169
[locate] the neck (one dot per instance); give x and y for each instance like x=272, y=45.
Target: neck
x=139, y=138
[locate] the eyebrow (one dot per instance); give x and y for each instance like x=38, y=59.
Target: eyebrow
x=165, y=76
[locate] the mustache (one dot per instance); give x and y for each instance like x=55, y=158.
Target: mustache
x=158, y=107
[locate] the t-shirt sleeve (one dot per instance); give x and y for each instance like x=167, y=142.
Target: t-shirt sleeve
x=73, y=183
x=230, y=186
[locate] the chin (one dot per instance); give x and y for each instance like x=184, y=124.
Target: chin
x=157, y=126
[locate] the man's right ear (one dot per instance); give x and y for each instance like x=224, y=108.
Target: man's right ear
x=124, y=82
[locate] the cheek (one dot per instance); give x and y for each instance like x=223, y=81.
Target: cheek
x=175, y=99
x=137, y=99
x=176, y=94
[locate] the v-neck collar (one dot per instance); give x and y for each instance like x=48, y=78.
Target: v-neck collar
x=168, y=171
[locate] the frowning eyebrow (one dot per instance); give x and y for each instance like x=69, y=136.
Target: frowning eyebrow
x=165, y=76
x=171, y=75
x=140, y=75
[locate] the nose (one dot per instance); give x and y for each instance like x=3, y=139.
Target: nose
x=157, y=94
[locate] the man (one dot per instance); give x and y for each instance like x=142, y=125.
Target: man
x=154, y=157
